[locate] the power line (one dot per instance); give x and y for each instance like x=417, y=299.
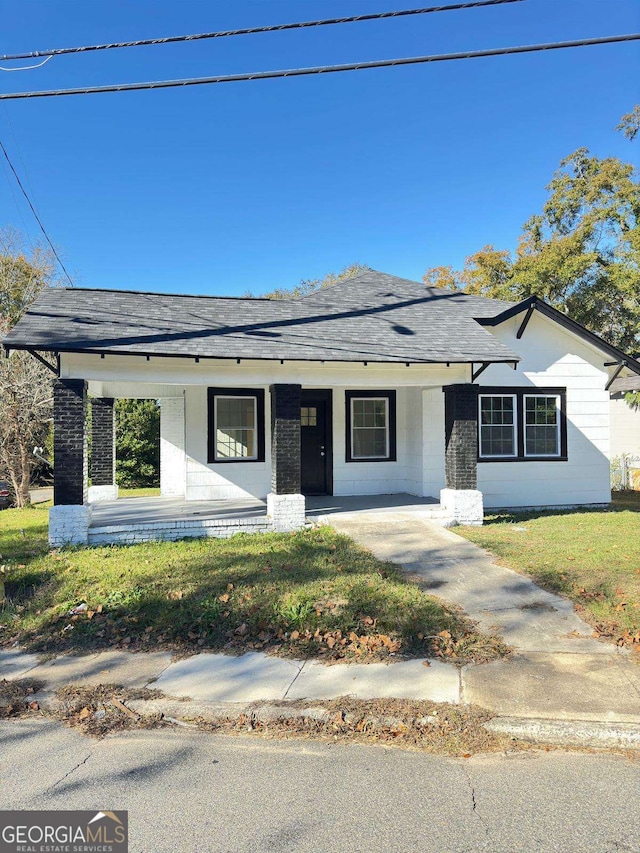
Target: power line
x=33, y=210
x=320, y=69
x=375, y=16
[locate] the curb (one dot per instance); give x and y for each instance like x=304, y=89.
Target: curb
x=594, y=733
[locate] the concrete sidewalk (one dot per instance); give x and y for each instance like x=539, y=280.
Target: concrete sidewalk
x=557, y=672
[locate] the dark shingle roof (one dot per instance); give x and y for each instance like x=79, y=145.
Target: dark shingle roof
x=370, y=317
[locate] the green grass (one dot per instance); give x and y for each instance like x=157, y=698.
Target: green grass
x=590, y=556
x=313, y=592
x=139, y=493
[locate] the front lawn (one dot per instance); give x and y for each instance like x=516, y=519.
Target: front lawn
x=590, y=556
x=310, y=593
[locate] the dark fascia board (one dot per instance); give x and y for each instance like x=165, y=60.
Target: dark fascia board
x=566, y=322
x=151, y=354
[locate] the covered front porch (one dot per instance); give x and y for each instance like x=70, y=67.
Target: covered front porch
x=219, y=477
x=144, y=519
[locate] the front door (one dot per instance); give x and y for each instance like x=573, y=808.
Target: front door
x=316, y=449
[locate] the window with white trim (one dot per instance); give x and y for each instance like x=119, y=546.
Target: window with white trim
x=498, y=425
x=236, y=428
x=522, y=424
x=371, y=426
x=542, y=425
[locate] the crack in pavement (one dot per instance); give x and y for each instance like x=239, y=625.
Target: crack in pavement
x=474, y=804
x=73, y=770
x=295, y=678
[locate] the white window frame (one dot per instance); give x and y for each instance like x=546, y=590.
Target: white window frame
x=385, y=400
x=217, y=397
x=513, y=455
x=558, y=399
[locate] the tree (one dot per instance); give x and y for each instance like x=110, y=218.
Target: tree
x=25, y=384
x=581, y=253
x=137, y=443
x=309, y=285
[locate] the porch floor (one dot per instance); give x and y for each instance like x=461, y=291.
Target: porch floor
x=156, y=510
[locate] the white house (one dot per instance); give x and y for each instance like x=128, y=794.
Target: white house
x=374, y=386
x=625, y=419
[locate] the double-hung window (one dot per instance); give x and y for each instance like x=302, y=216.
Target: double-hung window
x=498, y=425
x=542, y=425
x=236, y=425
x=371, y=426
x=516, y=424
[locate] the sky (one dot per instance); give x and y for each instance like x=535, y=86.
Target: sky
x=243, y=187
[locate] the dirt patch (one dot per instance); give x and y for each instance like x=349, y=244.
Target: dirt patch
x=427, y=726
x=17, y=698
x=102, y=709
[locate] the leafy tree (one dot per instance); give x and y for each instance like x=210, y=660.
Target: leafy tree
x=137, y=443
x=25, y=384
x=581, y=253
x=308, y=285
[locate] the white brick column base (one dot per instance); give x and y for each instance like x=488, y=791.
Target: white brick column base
x=102, y=493
x=69, y=525
x=463, y=505
x=286, y=512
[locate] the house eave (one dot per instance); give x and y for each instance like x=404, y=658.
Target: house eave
x=399, y=360
x=533, y=303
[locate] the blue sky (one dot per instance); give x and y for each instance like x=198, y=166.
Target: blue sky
x=221, y=189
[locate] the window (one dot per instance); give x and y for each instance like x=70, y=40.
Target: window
x=498, y=416
x=516, y=425
x=309, y=416
x=236, y=425
x=541, y=425
x=371, y=426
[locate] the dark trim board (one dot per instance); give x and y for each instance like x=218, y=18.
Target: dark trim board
x=520, y=392
x=533, y=303
x=212, y=393
x=391, y=395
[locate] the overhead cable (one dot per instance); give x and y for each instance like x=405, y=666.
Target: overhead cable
x=319, y=69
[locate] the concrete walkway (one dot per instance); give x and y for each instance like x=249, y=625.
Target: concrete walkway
x=498, y=599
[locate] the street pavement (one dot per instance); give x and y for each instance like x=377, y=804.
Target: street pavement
x=189, y=791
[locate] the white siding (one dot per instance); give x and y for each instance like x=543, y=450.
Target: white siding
x=625, y=428
x=433, y=442
x=172, y=441
x=553, y=357
x=377, y=478
x=227, y=481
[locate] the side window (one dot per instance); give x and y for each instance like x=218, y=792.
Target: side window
x=541, y=425
x=498, y=424
x=522, y=424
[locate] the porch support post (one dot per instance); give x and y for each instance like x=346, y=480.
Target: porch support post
x=461, y=496
x=70, y=516
x=103, y=451
x=285, y=504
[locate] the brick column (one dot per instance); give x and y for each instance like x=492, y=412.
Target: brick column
x=69, y=441
x=285, y=504
x=461, y=496
x=103, y=450
x=69, y=517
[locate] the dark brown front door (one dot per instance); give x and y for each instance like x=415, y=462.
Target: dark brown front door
x=315, y=429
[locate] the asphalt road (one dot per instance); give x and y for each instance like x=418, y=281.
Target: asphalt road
x=188, y=791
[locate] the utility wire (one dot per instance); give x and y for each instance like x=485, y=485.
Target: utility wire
x=33, y=210
x=320, y=69
x=375, y=16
